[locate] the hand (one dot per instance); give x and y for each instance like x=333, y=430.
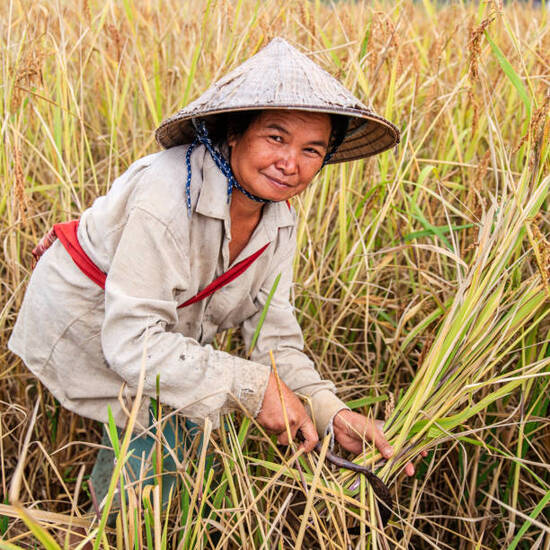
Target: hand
x=350, y=428
x=271, y=415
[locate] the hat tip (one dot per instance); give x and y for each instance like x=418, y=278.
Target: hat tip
x=279, y=41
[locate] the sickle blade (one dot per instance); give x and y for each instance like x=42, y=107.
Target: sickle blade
x=385, y=499
x=385, y=504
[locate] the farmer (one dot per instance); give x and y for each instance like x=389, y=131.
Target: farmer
x=210, y=212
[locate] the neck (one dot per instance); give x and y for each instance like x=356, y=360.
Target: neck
x=242, y=208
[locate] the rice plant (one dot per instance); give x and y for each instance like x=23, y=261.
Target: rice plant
x=422, y=278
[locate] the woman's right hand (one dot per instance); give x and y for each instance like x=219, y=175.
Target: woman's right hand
x=272, y=419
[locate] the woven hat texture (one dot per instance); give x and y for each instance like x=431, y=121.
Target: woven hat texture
x=280, y=77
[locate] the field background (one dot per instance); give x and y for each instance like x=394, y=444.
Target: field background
x=421, y=279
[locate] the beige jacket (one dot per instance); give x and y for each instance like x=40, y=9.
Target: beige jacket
x=83, y=343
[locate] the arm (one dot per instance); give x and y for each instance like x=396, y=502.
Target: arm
x=141, y=311
x=282, y=334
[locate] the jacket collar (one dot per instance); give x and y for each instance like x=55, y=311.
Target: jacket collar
x=212, y=200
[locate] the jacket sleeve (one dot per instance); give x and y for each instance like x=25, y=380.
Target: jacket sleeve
x=281, y=334
x=141, y=313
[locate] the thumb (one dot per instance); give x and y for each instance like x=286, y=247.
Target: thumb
x=380, y=440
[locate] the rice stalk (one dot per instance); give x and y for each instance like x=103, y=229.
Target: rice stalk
x=386, y=250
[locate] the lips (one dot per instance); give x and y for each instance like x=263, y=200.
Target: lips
x=277, y=182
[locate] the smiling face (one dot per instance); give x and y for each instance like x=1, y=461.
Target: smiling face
x=280, y=152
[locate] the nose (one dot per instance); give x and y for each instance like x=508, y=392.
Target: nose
x=287, y=162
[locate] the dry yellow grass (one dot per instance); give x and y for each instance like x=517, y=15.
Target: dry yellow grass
x=385, y=246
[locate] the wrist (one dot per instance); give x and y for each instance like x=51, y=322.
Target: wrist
x=323, y=405
x=341, y=419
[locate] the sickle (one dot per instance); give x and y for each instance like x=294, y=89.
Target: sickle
x=385, y=500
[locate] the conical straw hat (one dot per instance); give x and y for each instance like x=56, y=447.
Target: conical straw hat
x=280, y=77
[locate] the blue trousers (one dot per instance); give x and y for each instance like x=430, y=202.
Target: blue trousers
x=179, y=434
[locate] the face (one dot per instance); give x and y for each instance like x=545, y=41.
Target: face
x=280, y=152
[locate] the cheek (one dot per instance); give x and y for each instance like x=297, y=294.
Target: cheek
x=260, y=158
x=310, y=169
x=300, y=189
x=252, y=154
x=304, y=184
x=242, y=159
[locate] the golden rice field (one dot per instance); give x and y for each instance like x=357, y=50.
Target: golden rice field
x=422, y=279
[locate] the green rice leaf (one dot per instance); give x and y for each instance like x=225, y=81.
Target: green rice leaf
x=439, y=230
x=46, y=540
x=540, y=507
x=511, y=74
x=264, y=313
x=367, y=400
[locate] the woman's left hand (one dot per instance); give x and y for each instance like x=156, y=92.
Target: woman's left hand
x=350, y=428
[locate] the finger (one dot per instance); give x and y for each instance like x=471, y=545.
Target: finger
x=424, y=454
x=310, y=435
x=355, y=447
x=409, y=469
x=282, y=438
x=381, y=443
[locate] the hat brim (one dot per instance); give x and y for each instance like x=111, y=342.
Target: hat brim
x=368, y=134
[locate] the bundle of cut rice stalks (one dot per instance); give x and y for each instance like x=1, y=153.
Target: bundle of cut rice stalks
x=484, y=347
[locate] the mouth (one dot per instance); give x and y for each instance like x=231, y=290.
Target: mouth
x=279, y=184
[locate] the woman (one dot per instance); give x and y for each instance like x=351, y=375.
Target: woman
x=213, y=203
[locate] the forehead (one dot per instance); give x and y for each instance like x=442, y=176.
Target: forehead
x=295, y=120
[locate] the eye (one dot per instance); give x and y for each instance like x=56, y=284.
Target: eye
x=276, y=138
x=313, y=151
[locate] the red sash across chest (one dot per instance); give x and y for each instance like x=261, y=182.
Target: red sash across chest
x=67, y=234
